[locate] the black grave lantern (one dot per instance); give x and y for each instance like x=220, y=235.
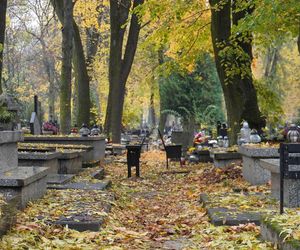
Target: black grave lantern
x=84, y=131
x=293, y=134
x=133, y=158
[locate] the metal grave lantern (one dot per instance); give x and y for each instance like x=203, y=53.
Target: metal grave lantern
x=289, y=166
x=172, y=151
x=133, y=158
x=95, y=130
x=254, y=137
x=293, y=134
x=220, y=141
x=84, y=131
x=226, y=142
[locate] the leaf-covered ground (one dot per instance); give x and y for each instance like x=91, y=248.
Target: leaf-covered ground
x=158, y=211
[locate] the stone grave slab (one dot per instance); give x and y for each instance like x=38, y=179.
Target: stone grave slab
x=80, y=217
x=224, y=158
x=70, y=162
x=83, y=185
x=204, y=156
x=81, y=223
x=291, y=187
x=28, y=182
x=40, y=159
x=99, y=174
x=95, y=153
x=57, y=179
x=252, y=171
x=230, y=215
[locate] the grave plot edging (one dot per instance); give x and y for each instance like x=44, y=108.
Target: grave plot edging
x=271, y=231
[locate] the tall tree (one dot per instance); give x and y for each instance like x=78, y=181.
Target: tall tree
x=120, y=61
x=239, y=92
x=80, y=68
x=3, y=7
x=66, y=68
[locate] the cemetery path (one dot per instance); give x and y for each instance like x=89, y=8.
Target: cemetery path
x=161, y=210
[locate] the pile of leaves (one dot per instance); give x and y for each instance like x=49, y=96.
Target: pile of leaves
x=217, y=175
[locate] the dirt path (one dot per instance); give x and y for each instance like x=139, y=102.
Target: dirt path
x=161, y=211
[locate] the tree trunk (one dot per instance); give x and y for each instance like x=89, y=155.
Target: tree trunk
x=66, y=69
x=119, y=68
x=221, y=30
x=152, y=117
x=83, y=81
x=239, y=93
x=3, y=7
x=162, y=116
x=49, y=64
x=298, y=42
x=80, y=69
x=113, y=120
x=251, y=112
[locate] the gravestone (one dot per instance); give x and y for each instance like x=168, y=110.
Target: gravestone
x=40, y=159
x=35, y=119
x=27, y=182
x=224, y=158
x=230, y=216
x=252, y=171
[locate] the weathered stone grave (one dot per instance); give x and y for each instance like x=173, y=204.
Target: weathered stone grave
x=27, y=182
x=204, y=155
x=96, y=144
x=252, y=171
x=70, y=162
x=40, y=159
x=62, y=164
x=220, y=216
x=224, y=158
x=80, y=217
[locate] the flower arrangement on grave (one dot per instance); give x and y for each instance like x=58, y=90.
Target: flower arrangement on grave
x=49, y=126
